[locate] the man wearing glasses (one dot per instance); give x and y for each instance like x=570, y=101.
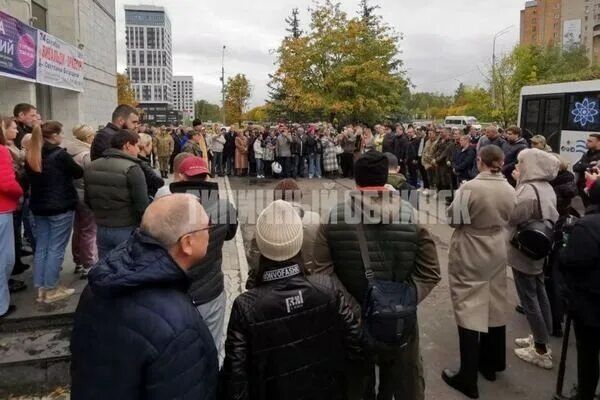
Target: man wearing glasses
x=136, y=333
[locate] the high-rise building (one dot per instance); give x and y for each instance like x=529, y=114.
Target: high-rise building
x=150, y=58
x=581, y=26
x=541, y=22
x=183, y=95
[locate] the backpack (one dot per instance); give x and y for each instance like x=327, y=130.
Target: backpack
x=535, y=238
x=389, y=308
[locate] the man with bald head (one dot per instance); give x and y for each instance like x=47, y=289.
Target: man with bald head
x=137, y=334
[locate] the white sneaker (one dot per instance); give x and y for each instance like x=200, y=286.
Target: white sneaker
x=533, y=357
x=525, y=342
x=60, y=293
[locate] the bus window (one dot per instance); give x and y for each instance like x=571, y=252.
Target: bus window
x=532, y=115
x=583, y=112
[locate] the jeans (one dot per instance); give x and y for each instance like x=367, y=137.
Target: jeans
x=213, y=314
x=260, y=168
x=83, y=242
x=7, y=258
x=318, y=165
x=311, y=165
x=108, y=238
x=217, y=163
x=52, y=236
x=588, y=351
x=229, y=164
x=532, y=294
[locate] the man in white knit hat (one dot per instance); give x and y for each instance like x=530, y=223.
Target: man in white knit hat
x=288, y=337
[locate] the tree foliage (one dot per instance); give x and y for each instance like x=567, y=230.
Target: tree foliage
x=258, y=114
x=294, y=25
x=340, y=70
x=237, y=94
x=206, y=111
x=125, y=93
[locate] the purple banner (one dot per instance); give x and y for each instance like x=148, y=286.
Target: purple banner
x=18, y=48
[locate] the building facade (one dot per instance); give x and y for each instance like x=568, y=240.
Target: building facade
x=581, y=26
x=183, y=95
x=541, y=22
x=88, y=24
x=149, y=53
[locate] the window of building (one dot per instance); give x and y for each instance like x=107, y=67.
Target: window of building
x=143, y=75
x=133, y=58
x=146, y=93
x=128, y=57
x=142, y=61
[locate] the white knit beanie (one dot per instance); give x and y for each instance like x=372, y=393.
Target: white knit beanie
x=279, y=231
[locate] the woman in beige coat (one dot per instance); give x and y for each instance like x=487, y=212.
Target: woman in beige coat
x=480, y=212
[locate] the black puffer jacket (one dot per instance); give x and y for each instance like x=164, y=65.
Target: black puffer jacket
x=136, y=333
x=288, y=338
x=566, y=189
x=207, y=277
x=153, y=181
x=580, y=264
x=52, y=190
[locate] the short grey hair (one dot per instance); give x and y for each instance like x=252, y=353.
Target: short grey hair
x=145, y=139
x=170, y=217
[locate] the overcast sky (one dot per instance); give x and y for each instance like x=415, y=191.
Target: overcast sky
x=445, y=42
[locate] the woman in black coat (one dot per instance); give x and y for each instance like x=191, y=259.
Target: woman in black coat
x=580, y=264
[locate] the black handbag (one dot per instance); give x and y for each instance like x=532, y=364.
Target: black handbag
x=535, y=238
x=389, y=308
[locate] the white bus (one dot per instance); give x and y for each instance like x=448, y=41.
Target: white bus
x=565, y=113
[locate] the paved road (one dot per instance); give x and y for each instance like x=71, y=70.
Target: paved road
x=439, y=337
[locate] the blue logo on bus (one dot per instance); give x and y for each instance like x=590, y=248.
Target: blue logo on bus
x=585, y=112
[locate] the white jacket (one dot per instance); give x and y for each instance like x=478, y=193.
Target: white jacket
x=258, y=149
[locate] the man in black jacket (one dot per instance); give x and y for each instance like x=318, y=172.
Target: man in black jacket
x=25, y=116
x=580, y=264
x=413, y=160
x=462, y=162
x=288, y=337
x=400, y=147
x=513, y=146
x=229, y=152
x=589, y=159
x=124, y=117
x=136, y=333
x=207, y=287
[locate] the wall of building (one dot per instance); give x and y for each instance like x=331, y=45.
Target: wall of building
x=87, y=22
x=183, y=95
x=541, y=23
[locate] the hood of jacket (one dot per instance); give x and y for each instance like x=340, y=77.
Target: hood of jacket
x=75, y=146
x=537, y=165
x=139, y=263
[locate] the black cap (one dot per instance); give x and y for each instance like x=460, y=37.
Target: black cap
x=371, y=169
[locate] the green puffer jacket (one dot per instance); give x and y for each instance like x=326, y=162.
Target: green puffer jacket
x=115, y=189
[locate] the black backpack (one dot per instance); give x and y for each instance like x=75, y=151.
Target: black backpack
x=535, y=238
x=389, y=308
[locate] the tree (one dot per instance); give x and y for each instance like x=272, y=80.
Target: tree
x=341, y=69
x=237, y=94
x=294, y=25
x=258, y=114
x=125, y=93
x=367, y=13
x=207, y=111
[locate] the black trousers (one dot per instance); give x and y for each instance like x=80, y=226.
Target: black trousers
x=481, y=352
x=348, y=165
x=588, y=352
x=424, y=175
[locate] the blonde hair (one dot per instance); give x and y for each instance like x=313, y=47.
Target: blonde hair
x=82, y=132
x=145, y=141
x=39, y=134
x=564, y=164
x=540, y=139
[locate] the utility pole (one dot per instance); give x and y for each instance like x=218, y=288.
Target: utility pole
x=223, y=85
x=496, y=36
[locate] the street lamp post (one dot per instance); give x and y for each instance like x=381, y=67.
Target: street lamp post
x=496, y=36
x=223, y=85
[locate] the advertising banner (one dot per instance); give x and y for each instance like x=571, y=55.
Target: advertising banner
x=571, y=33
x=59, y=63
x=18, y=43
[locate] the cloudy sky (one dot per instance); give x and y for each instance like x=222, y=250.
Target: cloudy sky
x=445, y=42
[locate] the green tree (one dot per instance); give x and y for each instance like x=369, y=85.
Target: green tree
x=237, y=94
x=125, y=93
x=340, y=69
x=294, y=25
x=207, y=111
x=258, y=114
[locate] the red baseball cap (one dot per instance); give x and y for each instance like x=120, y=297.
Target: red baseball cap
x=193, y=166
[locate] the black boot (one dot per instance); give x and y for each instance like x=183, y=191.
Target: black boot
x=465, y=380
x=19, y=268
x=492, y=352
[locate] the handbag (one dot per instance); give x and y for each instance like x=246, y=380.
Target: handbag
x=389, y=308
x=535, y=238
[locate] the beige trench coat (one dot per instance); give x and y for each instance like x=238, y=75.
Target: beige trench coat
x=477, y=259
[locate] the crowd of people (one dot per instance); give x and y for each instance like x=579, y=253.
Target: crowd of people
x=328, y=299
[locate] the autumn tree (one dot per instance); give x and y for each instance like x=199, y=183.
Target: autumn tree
x=206, y=111
x=339, y=70
x=237, y=94
x=125, y=93
x=367, y=13
x=293, y=22
x=258, y=114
